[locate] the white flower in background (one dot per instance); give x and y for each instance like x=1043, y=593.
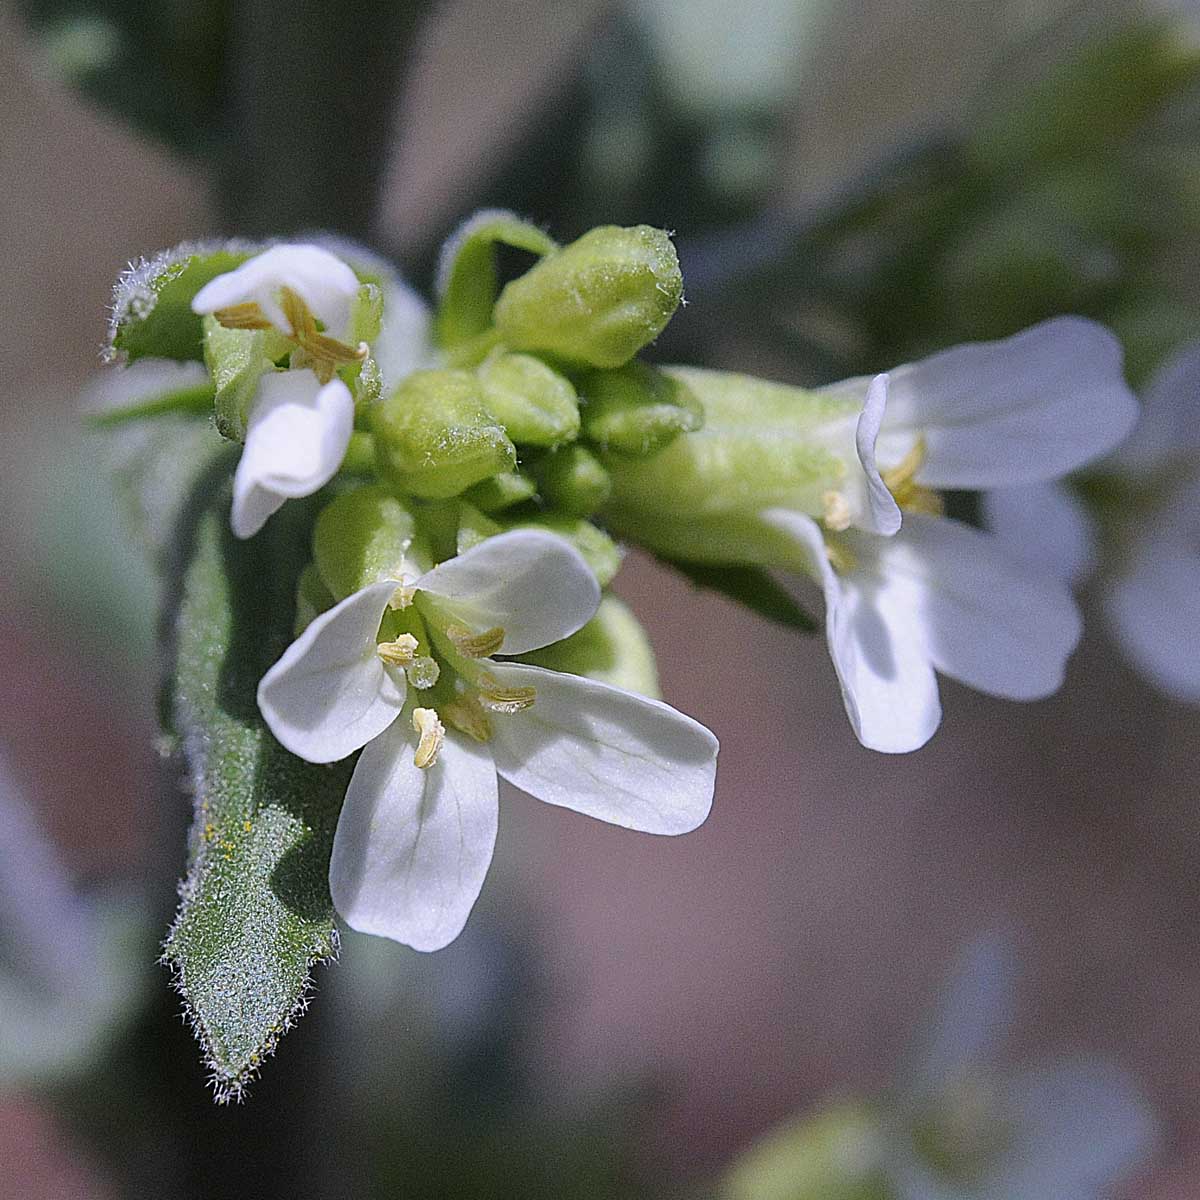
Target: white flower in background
x=1140, y=531
x=418, y=828
x=300, y=420
x=962, y=1127
x=909, y=592
x=296, y=439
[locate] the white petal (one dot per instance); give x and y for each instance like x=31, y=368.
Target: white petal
x=534, y=585
x=986, y=619
x=1155, y=612
x=1045, y=525
x=296, y=439
x=1031, y=407
x=325, y=283
x=1169, y=425
x=405, y=341
x=605, y=752
x=413, y=846
x=330, y=692
x=1077, y=1127
x=871, y=625
x=883, y=513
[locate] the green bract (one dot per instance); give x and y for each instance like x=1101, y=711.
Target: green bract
x=536, y=405
x=434, y=437
x=597, y=301
x=638, y=410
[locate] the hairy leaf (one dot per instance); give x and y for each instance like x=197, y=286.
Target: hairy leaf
x=255, y=912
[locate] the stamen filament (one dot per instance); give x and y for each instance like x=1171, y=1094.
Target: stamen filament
x=475, y=645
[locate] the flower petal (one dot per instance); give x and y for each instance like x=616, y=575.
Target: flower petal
x=413, y=846
x=1031, y=407
x=1169, y=425
x=986, y=618
x=872, y=627
x=534, y=585
x=883, y=512
x=1077, y=1127
x=325, y=283
x=1154, y=610
x=605, y=752
x=1045, y=525
x=295, y=441
x=330, y=692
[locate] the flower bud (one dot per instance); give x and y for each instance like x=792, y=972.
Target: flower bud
x=599, y=551
x=573, y=480
x=637, y=410
x=434, y=438
x=612, y=647
x=597, y=301
x=312, y=598
x=536, y=405
x=365, y=536
x=501, y=491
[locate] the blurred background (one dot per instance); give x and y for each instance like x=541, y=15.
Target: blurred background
x=851, y=184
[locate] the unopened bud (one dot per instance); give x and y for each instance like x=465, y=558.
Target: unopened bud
x=637, y=410
x=573, y=480
x=597, y=301
x=501, y=491
x=536, y=405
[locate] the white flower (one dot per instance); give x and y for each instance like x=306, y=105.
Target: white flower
x=1145, y=541
x=939, y=596
x=325, y=284
x=296, y=439
x=418, y=827
x=964, y=1128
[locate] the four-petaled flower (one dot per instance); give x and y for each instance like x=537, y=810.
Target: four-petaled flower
x=418, y=827
x=300, y=420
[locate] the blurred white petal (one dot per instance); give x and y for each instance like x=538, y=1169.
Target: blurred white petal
x=1045, y=525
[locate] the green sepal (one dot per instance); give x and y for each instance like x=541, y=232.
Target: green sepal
x=366, y=314
x=612, y=647
x=467, y=275
x=637, y=410
x=599, y=551
x=237, y=359
x=501, y=491
x=365, y=536
x=536, y=405
x=255, y=913
x=751, y=586
x=152, y=301
x=573, y=480
x=434, y=437
x=597, y=301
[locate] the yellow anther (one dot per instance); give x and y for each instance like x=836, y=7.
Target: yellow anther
x=475, y=645
x=399, y=653
x=836, y=511
x=466, y=714
x=840, y=558
x=247, y=315
x=497, y=698
x=321, y=354
x=402, y=597
x=432, y=734
x=902, y=482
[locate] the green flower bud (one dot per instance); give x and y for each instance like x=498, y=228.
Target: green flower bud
x=832, y=1156
x=763, y=445
x=365, y=536
x=501, y=491
x=573, y=480
x=237, y=359
x=536, y=405
x=612, y=647
x=312, y=598
x=637, y=410
x=434, y=438
x=597, y=301
x=599, y=551
x=473, y=528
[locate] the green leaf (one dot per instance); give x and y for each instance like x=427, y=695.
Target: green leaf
x=152, y=301
x=467, y=276
x=751, y=586
x=255, y=912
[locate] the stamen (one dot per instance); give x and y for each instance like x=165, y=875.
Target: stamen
x=901, y=481
x=837, y=511
x=499, y=699
x=246, y=315
x=466, y=714
x=400, y=652
x=840, y=558
x=475, y=645
x=433, y=734
x=402, y=597
x=321, y=354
